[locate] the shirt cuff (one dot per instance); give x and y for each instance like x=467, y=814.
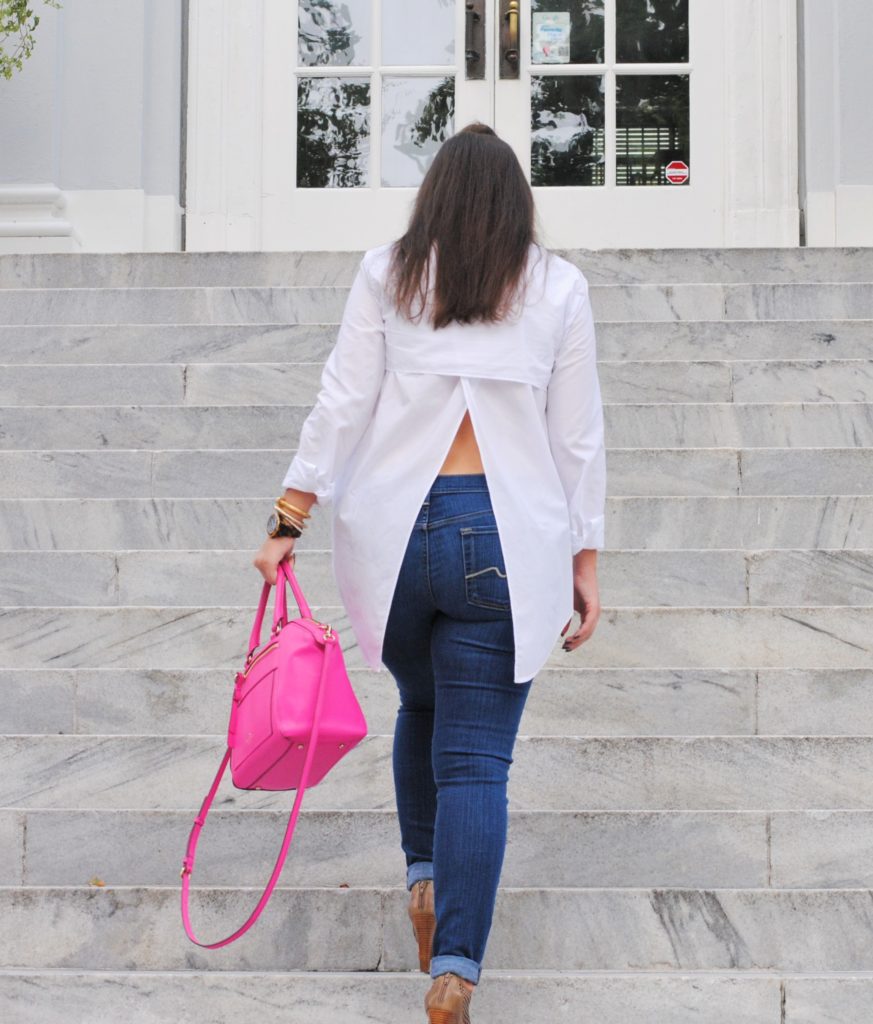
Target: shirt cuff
x=588, y=533
x=305, y=476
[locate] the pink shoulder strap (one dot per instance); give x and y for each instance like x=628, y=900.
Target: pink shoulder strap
x=188, y=860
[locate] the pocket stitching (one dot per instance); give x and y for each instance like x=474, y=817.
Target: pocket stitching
x=469, y=554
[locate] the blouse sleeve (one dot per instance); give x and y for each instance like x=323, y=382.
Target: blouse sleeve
x=574, y=414
x=350, y=384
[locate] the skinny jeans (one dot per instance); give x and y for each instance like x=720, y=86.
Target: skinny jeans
x=449, y=646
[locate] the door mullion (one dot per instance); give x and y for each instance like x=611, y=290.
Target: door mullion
x=376, y=97
x=610, y=89
x=492, y=60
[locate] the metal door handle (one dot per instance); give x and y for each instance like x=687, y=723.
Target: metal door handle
x=509, y=17
x=475, y=38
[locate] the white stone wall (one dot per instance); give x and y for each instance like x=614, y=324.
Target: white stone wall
x=90, y=131
x=838, y=121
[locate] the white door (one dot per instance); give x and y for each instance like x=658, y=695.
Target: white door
x=614, y=108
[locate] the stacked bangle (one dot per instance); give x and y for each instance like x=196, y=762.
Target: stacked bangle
x=289, y=520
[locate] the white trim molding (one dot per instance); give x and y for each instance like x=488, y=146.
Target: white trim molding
x=225, y=145
x=761, y=199
x=33, y=219
x=45, y=218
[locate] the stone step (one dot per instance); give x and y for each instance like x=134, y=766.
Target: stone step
x=367, y=929
x=152, y=269
x=313, y=304
x=70, y=996
x=658, y=425
x=228, y=473
x=571, y=701
x=681, y=773
x=271, y=343
x=658, y=523
x=577, y=849
x=296, y=383
x=627, y=578
x=158, y=638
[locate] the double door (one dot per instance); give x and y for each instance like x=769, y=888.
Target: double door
x=614, y=108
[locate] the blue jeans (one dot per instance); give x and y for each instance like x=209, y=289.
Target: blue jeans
x=449, y=646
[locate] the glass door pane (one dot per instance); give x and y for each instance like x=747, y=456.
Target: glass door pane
x=614, y=91
x=335, y=113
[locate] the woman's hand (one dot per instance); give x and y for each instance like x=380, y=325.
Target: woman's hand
x=273, y=551
x=586, y=599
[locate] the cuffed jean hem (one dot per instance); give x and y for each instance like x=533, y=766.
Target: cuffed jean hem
x=418, y=872
x=469, y=970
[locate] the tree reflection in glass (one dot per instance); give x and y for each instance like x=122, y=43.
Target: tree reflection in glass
x=651, y=31
x=567, y=130
x=333, y=32
x=333, y=132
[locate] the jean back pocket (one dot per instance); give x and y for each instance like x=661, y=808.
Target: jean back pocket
x=485, y=577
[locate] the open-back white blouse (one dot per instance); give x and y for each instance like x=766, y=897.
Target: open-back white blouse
x=392, y=396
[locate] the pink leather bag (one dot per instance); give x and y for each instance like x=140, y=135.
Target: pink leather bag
x=294, y=715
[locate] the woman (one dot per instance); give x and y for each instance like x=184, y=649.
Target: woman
x=460, y=445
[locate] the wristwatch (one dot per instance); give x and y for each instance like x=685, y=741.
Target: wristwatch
x=276, y=528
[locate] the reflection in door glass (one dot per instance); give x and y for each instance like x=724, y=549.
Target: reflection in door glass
x=566, y=31
x=418, y=33
x=333, y=32
x=418, y=115
x=651, y=128
x=567, y=130
x=653, y=31
x=333, y=132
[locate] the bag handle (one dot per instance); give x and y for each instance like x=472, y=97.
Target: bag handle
x=330, y=639
x=279, y=611
x=280, y=614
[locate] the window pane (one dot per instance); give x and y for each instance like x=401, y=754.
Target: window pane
x=418, y=33
x=651, y=31
x=651, y=127
x=567, y=130
x=333, y=32
x=551, y=20
x=418, y=115
x=333, y=132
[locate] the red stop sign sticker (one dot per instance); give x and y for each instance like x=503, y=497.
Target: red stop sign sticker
x=676, y=172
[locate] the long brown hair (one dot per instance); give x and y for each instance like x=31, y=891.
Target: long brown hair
x=476, y=208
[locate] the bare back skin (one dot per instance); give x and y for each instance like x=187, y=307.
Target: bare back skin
x=463, y=456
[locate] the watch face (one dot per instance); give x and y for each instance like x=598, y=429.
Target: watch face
x=272, y=523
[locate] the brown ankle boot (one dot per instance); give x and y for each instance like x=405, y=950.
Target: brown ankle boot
x=448, y=1001
x=423, y=920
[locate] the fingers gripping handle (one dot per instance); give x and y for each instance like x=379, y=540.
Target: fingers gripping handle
x=283, y=572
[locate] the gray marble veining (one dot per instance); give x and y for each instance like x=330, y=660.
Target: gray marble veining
x=585, y=773
x=649, y=523
x=360, y=848
x=376, y=997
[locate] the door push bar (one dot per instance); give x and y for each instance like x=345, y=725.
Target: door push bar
x=474, y=43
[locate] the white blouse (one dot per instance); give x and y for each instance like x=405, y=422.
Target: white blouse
x=392, y=396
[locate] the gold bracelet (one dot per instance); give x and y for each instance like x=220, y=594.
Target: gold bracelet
x=285, y=517
x=295, y=508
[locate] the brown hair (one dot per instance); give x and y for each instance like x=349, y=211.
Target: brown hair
x=476, y=208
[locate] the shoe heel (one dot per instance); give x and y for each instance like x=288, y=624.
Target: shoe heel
x=440, y=1017
x=423, y=925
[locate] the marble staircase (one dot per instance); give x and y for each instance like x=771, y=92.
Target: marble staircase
x=693, y=788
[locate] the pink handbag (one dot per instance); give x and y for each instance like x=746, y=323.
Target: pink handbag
x=294, y=715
